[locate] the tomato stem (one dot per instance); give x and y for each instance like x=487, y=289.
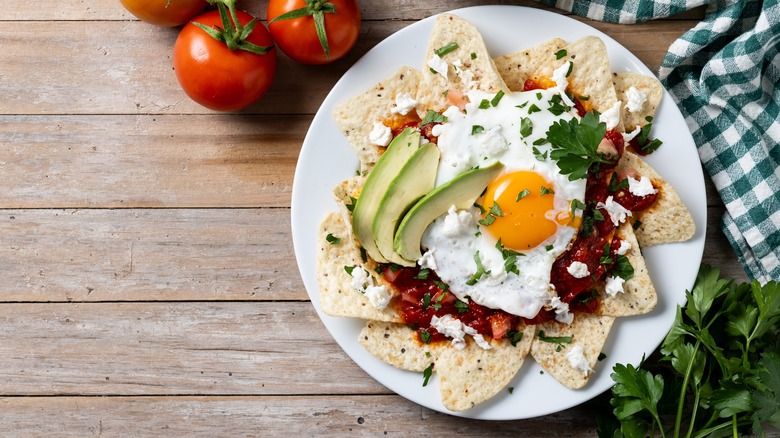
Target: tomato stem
x=232, y=33
x=317, y=10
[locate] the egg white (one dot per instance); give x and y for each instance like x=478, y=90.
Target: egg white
x=454, y=249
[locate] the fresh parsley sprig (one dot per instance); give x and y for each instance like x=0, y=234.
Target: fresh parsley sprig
x=724, y=378
x=575, y=145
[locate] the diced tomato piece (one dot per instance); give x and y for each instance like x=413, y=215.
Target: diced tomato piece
x=500, y=323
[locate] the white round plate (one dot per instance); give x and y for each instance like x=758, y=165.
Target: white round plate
x=327, y=159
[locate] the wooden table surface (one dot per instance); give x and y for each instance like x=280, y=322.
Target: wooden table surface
x=149, y=285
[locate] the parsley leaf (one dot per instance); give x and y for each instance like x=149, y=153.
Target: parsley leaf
x=559, y=340
x=480, y=271
x=533, y=109
x=427, y=373
x=575, y=145
x=560, y=54
x=461, y=306
x=333, y=240
x=497, y=98
x=646, y=144
x=425, y=336
x=522, y=194
x=422, y=274
x=510, y=258
x=477, y=129
x=514, y=337
x=433, y=117
x=484, y=104
x=349, y=269
x=526, y=126
x=546, y=191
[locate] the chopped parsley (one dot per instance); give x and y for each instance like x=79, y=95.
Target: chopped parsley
x=442, y=285
x=526, y=126
x=559, y=340
x=606, y=256
x=349, y=269
x=539, y=96
x=425, y=336
x=560, y=54
x=546, y=191
x=461, y=306
x=433, y=71
x=484, y=104
x=602, y=356
x=522, y=194
x=575, y=145
x=477, y=129
x=363, y=255
x=427, y=373
x=497, y=98
x=510, y=258
x=480, y=271
x=549, y=247
x=584, y=98
x=646, y=144
x=637, y=223
x=538, y=155
x=533, y=109
x=576, y=204
x=616, y=184
x=433, y=117
x=514, y=337
x=522, y=105
x=623, y=268
x=352, y=202
x=557, y=107
x=571, y=66
x=598, y=215
x=333, y=240
x=426, y=301
x=473, y=55
x=423, y=274
x=510, y=389
x=495, y=211
x=539, y=141
x=441, y=51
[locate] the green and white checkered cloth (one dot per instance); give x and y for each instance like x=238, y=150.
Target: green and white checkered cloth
x=723, y=74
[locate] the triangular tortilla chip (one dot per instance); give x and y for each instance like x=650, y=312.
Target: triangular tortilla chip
x=591, y=75
x=337, y=295
x=472, y=55
x=397, y=345
x=470, y=376
x=668, y=219
x=518, y=67
x=638, y=296
x=588, y=331
x=647, y=85
x=355, y=117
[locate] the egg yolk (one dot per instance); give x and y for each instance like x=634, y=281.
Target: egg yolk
x=524, y=217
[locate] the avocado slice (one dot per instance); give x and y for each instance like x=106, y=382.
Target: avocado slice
x=462, y=191
x=415, y=180
x=384, y=172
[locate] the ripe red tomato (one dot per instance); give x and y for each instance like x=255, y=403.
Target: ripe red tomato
x=165, y=12
x=217, y=77
x=297, y=37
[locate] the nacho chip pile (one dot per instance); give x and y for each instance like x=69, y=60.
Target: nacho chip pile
x=472, y=375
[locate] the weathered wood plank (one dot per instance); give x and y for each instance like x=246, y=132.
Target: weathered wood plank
x=148, y=255
x=320, y=416
x=167, y=349
x=126, y=67
x=149, y=161
x=177, y=255
x=51, y=10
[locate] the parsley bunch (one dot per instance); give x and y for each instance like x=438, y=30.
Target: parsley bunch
x=719, y=370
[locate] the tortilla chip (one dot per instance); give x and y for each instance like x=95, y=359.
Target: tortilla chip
x=518, y=67
x=472, y=55
x=397, y=345
x=590, y=76
x=668, y=219
x=337, y=295
x=646, y=84
x=355, y=117
x=589, y=331
x=639, y=296
x=470, y=376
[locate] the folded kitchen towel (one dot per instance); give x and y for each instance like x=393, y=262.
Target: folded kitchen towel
x=723, y=74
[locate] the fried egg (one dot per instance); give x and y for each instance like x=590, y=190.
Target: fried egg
x=524, y=220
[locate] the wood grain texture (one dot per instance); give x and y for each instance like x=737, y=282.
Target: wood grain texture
x=335, y=416
x=172, y=348
x=149, y=161
x=121, y=75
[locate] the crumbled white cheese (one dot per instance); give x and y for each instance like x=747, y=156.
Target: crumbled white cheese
x=578, y=270
x=378, y=296
x=577, y=360
x=451, y=328
x=561, y=310
x=614, y=285
x=635, y=100
x=611, y=116
x=361, y=279
x=624, y=247
x=493, y=141
x=457, y=222
x=561, y=82
x=466, y=76
x=380, y=135
x=628, y=136
x=478, y=338
x=438, y=65
x=403, y=104
x=643, y=187
x=616, y=211
x=427, y=261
